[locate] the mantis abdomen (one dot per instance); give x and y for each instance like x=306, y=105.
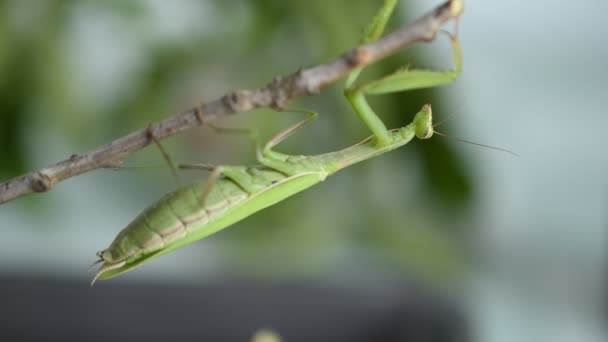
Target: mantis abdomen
x=180, y=217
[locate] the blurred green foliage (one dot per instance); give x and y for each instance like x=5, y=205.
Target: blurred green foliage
x=402, y=208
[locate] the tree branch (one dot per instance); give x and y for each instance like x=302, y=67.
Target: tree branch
x=276, y=94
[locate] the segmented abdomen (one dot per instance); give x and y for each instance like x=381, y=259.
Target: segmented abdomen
x=178, y=213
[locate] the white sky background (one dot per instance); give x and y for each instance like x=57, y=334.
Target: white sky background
x=534, y=82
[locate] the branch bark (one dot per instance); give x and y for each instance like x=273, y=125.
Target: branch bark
x=276, y=94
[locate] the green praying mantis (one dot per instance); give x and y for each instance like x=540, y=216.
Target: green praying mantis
x=232, y=193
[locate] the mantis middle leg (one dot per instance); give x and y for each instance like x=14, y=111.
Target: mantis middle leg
x=264, y=155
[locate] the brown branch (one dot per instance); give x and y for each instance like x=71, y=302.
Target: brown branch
x=276, y=94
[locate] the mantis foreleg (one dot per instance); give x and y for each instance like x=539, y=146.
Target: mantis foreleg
x=401, y=80
x=373, y=32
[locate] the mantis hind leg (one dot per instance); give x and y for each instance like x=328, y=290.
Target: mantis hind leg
x=230, y=172
x=172, y=166
x=238, y=174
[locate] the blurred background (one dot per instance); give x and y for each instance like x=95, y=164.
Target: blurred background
x=502, y=248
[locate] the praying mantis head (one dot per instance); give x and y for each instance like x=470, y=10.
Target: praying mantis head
x=423, y=122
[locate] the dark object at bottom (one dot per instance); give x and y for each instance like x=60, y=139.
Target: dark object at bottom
x=47, y=310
